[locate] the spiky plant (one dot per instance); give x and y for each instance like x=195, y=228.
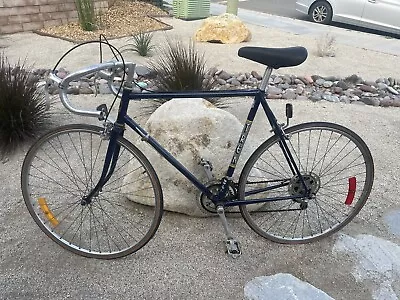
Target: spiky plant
x=141, y=43
x=86, y=14
x=180, y=68
x=23, y=110
x=158, y=3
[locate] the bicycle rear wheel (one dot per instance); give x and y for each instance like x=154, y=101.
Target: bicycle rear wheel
x=63, y=166
x=336, y=165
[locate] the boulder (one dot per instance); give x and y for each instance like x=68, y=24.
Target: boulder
x=191, y=130
x=226, y=29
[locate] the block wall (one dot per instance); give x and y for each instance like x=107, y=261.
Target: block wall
x=27, y=15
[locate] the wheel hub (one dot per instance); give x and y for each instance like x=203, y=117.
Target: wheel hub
x=311, y=180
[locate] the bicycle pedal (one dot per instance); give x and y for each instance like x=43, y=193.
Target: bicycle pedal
x=233, y=248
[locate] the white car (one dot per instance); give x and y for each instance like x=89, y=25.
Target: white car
x=381, y=15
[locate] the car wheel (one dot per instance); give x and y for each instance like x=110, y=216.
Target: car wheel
x=321, y=12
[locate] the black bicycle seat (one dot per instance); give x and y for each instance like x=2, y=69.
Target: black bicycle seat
x=275, y=57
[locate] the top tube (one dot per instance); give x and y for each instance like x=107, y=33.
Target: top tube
x=195, y=94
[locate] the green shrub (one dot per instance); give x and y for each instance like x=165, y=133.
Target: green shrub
x=180, y=68
x=141, y=43
x=23, y=110
x=86, y=15
x=158, y=3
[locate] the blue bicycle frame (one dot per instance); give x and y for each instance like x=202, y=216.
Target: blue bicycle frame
x=220, y=198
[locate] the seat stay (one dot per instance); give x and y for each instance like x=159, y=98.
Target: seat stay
x=279, y=132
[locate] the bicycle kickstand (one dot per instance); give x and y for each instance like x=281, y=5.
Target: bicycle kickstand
x=232, y=245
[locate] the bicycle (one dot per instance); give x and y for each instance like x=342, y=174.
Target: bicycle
x=74, y=182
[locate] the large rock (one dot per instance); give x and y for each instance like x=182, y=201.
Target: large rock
x=191, y=129
x=226, y=29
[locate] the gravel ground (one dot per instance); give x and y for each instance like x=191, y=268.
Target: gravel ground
x=186, y=259
x=123, y=18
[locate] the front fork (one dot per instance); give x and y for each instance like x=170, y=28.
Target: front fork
x=109, y=163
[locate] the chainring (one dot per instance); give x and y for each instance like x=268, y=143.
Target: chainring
x=206, y=204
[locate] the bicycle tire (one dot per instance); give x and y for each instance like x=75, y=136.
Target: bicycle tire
x=337, y=166
x=63, y=166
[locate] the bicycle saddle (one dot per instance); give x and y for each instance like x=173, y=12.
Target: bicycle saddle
x=275, y=57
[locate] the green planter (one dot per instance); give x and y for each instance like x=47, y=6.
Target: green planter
x=191, y=9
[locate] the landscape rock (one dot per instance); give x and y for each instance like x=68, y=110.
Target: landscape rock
x=256, y=75
x=386, y=102
x=381, y=86
x=224, y=75
x=281, y=86
x=191, y=130
x=343, y=85
x=226, y=29
x=392, y=90
x=367, y=88
x=289, y=94
x=142, y=71
x=354, y=79
x=370, y=101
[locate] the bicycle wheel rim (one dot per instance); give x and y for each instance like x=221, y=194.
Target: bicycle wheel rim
x=347, y=166
x=112, y=225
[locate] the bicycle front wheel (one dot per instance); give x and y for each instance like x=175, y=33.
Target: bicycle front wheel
x=335, y=164
x=63, y=166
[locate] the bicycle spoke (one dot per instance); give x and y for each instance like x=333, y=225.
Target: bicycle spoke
x=107, y=225
x=330, y=161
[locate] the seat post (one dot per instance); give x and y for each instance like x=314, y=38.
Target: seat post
x=265, y=79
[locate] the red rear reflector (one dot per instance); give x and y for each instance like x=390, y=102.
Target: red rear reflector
x=352, y=191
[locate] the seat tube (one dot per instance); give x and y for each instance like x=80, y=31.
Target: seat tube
x=239, y=147
x=264, y=82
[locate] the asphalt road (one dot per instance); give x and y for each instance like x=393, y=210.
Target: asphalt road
x=287, y=8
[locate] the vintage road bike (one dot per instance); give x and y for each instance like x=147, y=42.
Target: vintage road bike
x=95, y=193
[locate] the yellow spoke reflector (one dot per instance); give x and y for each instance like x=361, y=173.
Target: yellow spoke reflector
x=47, y=212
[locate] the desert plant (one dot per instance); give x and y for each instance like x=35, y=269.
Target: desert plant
x=86, y=14
x=23, y=109
x=158, y=3
x=326, y=45
x=180, y=68
x=141, y=43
